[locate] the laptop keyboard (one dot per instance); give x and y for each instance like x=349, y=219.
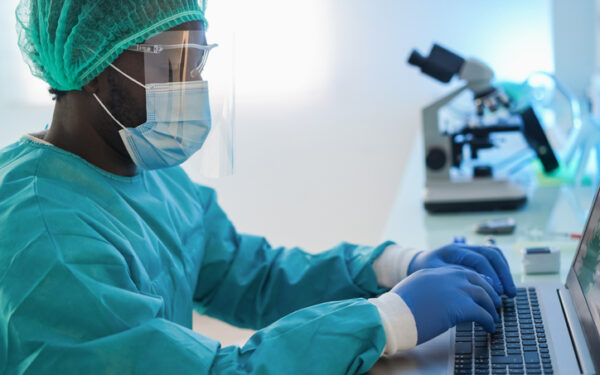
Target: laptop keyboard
x=517, y=347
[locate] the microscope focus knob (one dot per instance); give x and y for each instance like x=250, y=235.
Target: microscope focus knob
x=436, y=158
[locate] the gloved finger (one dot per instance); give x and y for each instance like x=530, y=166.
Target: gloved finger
x=495, y=249
x=483, y=281
x=486, y=285
x=500, y=264
x=475, y=313
x=481, y=297
x=482, y=265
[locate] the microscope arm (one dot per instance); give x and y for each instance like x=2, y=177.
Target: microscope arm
x=438, y=146
x=478, y=76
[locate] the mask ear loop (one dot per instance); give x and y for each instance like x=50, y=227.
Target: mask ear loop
x=107, y=111
x=129, y=77
x=102, y=104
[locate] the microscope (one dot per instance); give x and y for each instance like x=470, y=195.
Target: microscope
x=449, y=186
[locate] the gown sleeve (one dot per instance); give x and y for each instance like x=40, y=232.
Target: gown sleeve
x=246, y=282
x=69, y=306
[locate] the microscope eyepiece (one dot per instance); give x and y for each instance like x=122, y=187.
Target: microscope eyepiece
x=441, y=63
x=416, y=59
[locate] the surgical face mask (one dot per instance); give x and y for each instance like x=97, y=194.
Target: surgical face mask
x=177, y=123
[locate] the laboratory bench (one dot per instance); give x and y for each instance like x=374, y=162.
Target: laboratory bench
x=551, y=212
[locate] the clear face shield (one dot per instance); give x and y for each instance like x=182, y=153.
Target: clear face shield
x=179, y=60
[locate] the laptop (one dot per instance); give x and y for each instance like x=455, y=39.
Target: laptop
x=546, y=329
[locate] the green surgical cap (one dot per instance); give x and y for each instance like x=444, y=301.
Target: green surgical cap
x=67, y=43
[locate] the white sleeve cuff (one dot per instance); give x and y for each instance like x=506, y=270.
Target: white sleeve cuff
x=391, y=266
x=398, y=322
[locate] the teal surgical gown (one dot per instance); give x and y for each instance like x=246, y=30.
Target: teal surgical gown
x=99, y=274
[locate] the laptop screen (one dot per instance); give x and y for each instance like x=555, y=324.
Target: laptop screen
x=583, y=282
x=587, y=264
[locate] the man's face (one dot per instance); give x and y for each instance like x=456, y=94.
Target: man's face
x=127, y=100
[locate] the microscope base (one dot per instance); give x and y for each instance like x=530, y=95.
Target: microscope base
x=475, y=195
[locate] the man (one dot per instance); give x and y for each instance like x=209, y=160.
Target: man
x=105, y=243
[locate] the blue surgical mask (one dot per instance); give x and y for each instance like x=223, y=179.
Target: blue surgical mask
x=177, y=124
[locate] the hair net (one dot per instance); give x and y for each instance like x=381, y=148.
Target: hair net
x=67, y=43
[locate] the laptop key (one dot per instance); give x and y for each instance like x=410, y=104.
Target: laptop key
x=531, y=357
x=463, y=348
x=507, y=359
x=464, y=327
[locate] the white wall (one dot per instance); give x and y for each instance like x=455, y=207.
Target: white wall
x=25, y=105
x=323, y=164
x=327, y=106
x=575, y=26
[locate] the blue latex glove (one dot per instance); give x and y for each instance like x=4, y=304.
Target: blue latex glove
x=486, y=260
x=440, y=298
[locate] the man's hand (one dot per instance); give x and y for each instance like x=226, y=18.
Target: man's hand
x=488, y=261
x=443, y=297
